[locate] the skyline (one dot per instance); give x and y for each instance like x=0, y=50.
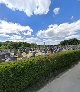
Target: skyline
x=38, y=21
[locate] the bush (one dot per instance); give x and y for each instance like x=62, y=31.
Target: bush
x=15, y=76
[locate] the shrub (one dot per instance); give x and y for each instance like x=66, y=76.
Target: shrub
x=15, y=76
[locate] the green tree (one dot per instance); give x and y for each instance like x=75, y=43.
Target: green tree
x=73, y=41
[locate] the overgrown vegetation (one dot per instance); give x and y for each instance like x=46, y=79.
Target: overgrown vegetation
x=16, y=76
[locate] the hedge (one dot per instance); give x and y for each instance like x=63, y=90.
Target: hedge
x=15, y=76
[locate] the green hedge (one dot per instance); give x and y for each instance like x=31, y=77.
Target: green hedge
x=15, y=76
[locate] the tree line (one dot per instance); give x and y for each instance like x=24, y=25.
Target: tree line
x=73, y=41
x=16, y=45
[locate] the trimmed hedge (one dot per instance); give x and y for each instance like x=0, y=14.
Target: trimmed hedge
x=15, y=76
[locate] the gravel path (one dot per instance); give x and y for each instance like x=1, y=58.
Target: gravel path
x=68, y=82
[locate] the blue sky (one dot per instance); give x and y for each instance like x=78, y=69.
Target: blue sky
x=39, y=21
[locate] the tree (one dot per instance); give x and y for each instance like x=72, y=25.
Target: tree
x=73, y=41
x=15, y=45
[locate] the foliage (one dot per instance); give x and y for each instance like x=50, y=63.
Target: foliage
x=15, y=76
x=70, y=42
x=15, y=45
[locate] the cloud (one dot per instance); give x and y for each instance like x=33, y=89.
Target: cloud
x=15, y=37
x=9, y=27
x=52, y=41
x=73, y=36
x=27, y=33
x=30, y=7
x=51, y=36
x=4, y=35
x=59, y=31
x=33, y=40
x=56, y=11
x=41, y=41
x=72, y=17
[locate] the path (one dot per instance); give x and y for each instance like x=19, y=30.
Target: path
x=68, y=82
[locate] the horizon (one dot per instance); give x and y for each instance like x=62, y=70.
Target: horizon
x=41, y=44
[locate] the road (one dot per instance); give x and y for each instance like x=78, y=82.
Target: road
x=68, y=82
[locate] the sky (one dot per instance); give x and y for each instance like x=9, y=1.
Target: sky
x=39, y=21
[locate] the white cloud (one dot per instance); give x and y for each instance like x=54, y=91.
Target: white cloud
x=33, y=40
x=30, y=7
x=27, y=33
x=56, y=11
x=4, y=35
x=41, y=41
x=72, y=17
x=15, y=37
x=9, y=27
x=62, y=30
x=73, y=36
x=52, y=42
